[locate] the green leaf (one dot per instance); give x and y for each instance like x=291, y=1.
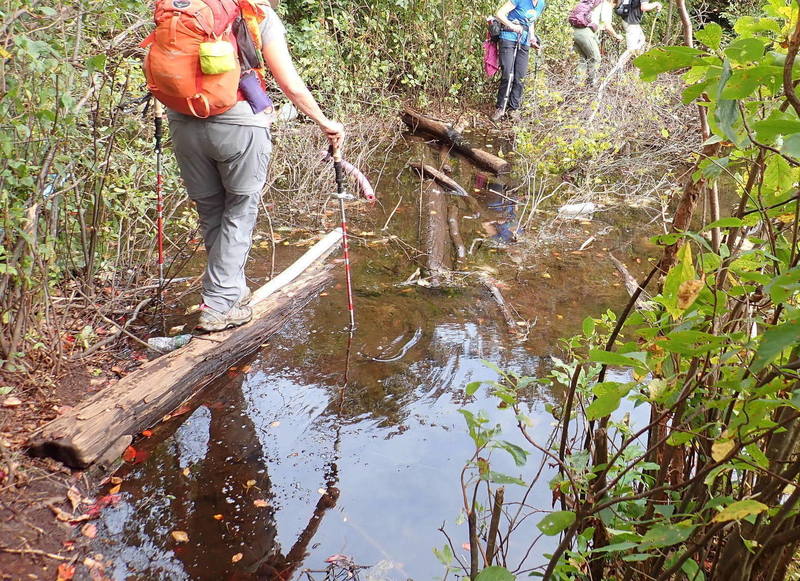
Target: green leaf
x=710, y=35
x=666, y=535
x=665, y=58
x=774, y=341
x=791, y=145
x=779, y=178
x=96, y=63
x=744, y=82
x=472, y=387
x=495, y=573
x=6, y=389
x=745, y=50
x=445, y=555
x=739, y=510
x=777, y=123
x=724, y=223
x=499, y=478
x=608, y=394
x=555, y=522
x=683, y=271
x=612, y=358
x=588, y=326
x=520, y=455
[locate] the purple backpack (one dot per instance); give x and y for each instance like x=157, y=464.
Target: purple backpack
x=580, y=16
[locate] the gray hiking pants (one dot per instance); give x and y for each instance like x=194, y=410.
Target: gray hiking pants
x=588, y=49
x=224, y=168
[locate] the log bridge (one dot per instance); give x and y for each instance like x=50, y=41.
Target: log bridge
x=98, y=430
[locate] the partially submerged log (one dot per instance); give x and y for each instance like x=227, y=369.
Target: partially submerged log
x=435, y=237
x=631, y=285
x=455, y=231
x=103, y=425
x=428, y=171
x=508, y=315
x=444, y=132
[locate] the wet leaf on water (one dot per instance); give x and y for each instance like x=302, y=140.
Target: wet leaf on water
x=65, y=572
x=236, y=558
x=115, y=489
x=250, y=484
x=115, y=480
x=180, y=536
x=147, y=433
x=129, y=455
x=89, y=530
x=465, y=546
x=260, y=503
x=218, y=517
x=275, y=424
x=186, y=471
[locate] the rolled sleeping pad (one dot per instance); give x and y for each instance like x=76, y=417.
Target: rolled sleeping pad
x=364, y=187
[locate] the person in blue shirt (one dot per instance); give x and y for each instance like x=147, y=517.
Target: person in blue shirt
x=516, y=39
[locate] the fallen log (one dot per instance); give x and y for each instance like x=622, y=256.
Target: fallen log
x=417, y=122
x=101, y=427
x=508, y=315
x=428, y=171
x=435, y=237
x=631, y=285
x=455, y=231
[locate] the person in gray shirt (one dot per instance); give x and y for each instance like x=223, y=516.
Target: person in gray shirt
x=223, y=161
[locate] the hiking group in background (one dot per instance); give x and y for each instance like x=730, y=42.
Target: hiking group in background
x=512, y=28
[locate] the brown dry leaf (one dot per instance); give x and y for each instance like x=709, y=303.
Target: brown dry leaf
x=236, y=558
x=89, y=530
x=74, y=497
x=12, y=402
x=115, y=489
x=61, y=515
x=246, y=368
x=115, y=480
x=260, y=503
x=65, y=572
x=186, y=471
x=180, y=536
x=688, y=291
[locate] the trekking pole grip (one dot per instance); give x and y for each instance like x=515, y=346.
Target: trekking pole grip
x=337, y=168
x=158, y=120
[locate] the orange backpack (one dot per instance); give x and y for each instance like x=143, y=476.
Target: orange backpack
x=185, y=29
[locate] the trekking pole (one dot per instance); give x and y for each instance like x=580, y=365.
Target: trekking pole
x=158, y=122
x=512, y=71
x=341, y=195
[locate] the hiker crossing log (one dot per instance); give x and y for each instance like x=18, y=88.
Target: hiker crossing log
x=101, y=427
x=442, y=131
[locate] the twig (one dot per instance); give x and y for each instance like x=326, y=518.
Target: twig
x=35, y=552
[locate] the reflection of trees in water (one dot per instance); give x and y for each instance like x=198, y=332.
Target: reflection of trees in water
x=212, y=484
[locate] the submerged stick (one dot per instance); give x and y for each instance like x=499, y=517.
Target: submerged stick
x=455, y=233
x=428, y=171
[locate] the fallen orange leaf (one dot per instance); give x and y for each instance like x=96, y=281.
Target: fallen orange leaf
x=236, y=558
x=180, y=536
x=65, y=572
x=147, y=433
x=260, y=503
x=89, y=530
x=218, y=517
x=129, y=455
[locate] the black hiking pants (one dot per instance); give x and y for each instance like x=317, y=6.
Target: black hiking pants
x=513, y=69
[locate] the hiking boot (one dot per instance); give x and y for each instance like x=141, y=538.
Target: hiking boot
x=212, y=320
x=498, y=114
x=245, y=298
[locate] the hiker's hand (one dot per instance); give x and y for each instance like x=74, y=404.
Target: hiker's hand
x=516, y=28
x=334, y=131
x=659, y=6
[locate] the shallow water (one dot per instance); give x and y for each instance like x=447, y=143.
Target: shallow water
x=318, y=446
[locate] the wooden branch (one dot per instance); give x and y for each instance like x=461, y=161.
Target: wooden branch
x=428, y=171
x=139, y=400
x=444, y=132
x=509, y=317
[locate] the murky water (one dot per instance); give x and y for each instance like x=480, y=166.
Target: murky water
x=318, y=446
